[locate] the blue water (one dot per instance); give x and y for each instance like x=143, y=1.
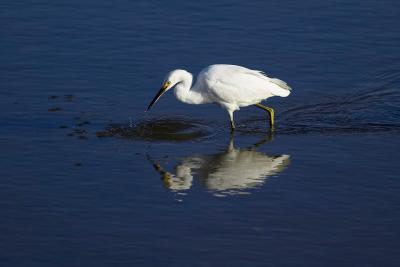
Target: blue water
x=88, y=179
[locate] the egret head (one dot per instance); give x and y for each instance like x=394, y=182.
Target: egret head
x=172, y=78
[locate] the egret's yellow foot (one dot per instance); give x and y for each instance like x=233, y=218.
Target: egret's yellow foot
x=270, y=112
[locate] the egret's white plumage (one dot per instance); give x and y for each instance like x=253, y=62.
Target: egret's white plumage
x=230, y=86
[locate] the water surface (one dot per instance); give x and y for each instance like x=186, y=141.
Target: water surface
x=89, y=179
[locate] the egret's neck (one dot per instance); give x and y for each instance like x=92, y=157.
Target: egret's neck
x=183, y=90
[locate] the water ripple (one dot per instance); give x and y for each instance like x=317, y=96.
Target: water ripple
x=171, y=129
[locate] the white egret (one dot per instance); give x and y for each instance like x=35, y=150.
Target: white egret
x=230, y=86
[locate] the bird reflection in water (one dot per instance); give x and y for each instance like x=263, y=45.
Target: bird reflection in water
x=233, y=171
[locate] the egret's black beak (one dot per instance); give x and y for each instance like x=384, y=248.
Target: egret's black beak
x=159, y=94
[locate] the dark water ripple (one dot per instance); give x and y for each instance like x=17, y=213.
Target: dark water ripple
x=374, y=108
x=158, y=130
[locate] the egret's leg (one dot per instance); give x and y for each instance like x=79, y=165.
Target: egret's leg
x=270, y=112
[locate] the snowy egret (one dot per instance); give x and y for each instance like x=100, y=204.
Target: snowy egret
x=230, y=86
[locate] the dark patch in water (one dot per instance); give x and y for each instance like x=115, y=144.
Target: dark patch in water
x=80, y=131
x=161, y=129
x=69, y=98
x=81, y=123
x=54, y=109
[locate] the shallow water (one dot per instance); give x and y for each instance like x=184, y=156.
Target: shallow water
x=88, y=178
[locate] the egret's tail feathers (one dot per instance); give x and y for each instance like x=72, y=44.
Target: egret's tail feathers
x=283, y=89
x=281, y=84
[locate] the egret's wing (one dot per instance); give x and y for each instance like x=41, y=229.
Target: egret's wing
x=229, y=83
